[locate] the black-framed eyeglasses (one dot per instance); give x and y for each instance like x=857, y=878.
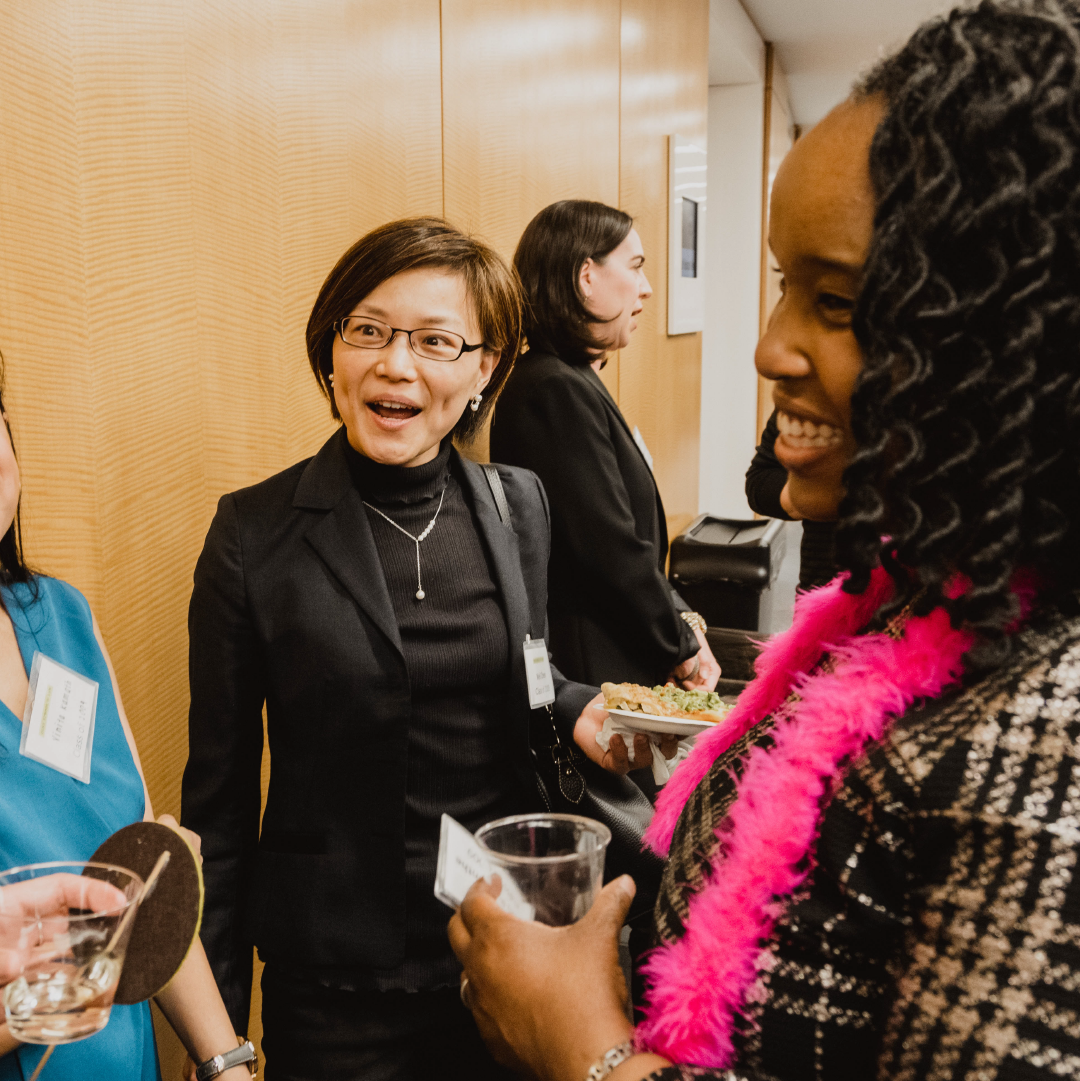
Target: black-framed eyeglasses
x=431, y=343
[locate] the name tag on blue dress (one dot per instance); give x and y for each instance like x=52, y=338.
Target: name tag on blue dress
x=58, y=723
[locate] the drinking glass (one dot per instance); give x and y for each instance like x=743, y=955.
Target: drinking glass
x=66, y=954
x=555, y=861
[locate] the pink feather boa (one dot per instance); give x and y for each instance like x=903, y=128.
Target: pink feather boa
x=698, y=984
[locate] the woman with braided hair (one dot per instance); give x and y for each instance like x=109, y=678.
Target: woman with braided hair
x=872, y=862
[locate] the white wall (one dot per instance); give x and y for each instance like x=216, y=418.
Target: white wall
x=736, y=51
x=733, y=247
x=824, y=45
x=729, y=383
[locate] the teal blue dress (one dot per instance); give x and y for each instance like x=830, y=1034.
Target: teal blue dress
x=46, y=815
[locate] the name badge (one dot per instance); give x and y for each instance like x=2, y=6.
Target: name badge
x=461, y=862
x=538, y=673
x=58, y=723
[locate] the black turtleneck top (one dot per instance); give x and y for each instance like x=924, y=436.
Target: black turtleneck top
x=457, y=654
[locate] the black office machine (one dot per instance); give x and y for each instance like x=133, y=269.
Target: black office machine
x=723, y=566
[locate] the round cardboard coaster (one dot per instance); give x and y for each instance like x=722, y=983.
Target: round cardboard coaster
x=168, y=920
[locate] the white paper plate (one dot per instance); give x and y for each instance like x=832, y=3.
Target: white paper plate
x=663, y=726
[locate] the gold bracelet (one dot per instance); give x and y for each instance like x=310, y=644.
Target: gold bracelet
x=695, y=620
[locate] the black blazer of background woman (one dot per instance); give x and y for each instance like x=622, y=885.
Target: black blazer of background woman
x=291, y=607
x=612, y=613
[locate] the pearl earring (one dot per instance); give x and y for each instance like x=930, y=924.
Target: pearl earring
x=331, y=380
x=474, y=402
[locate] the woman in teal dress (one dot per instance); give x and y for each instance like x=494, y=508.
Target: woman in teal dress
x=48, y=815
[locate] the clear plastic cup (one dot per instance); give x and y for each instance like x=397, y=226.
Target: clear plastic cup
x=554, y=861
x=63, y=955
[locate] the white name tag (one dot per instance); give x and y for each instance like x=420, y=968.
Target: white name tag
x=58, y=723
x=538, y=674
x=461, y=862
x=640, y=440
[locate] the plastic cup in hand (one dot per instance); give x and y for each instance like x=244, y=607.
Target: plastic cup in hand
x=554, y=861
x=64, y=929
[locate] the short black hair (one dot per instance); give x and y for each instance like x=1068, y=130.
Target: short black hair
x=408, y=244
x=967, y=412
x=13, y=567
x=549, y=258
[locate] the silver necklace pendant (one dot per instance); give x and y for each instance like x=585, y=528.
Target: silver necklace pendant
x=420, y=594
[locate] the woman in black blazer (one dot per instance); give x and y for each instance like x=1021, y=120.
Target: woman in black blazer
x=373, y=600
x=613, y=615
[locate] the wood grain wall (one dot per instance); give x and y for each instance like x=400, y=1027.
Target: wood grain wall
x=665, y=50
x=177, y=178
x=780, y=134
x=530, y=115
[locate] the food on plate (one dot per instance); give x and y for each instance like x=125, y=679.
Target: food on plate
x=669, y=701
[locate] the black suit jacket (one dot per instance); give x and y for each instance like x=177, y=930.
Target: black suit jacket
x=291, y=608
x=613, y=615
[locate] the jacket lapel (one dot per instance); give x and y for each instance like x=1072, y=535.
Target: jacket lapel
x=342, y=537
x=616, y=412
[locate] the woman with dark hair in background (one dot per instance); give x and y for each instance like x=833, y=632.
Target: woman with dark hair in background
x=612, y=614
x=373, y=599
x=47, y=815
x=872, y=860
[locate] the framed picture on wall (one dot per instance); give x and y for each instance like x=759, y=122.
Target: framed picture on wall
x=686, y=236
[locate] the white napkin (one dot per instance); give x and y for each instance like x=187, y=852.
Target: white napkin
x=662, y=768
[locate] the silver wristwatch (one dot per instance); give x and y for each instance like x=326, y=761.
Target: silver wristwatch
x=238, y=1056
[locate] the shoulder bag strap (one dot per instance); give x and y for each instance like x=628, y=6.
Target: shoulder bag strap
x=571, y=782
x=496, y=486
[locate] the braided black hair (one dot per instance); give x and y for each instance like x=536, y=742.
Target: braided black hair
x=967, y=412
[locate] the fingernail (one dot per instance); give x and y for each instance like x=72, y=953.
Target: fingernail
x=627, y=885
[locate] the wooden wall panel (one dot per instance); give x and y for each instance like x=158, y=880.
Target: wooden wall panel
x=43, y=317
x=779, y=138
x=530, y=110
x=664, y=92
x=530, y=115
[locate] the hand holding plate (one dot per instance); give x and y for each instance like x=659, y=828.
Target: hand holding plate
x=616, y=759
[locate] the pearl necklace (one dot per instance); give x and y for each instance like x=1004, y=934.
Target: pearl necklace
x=420, y=594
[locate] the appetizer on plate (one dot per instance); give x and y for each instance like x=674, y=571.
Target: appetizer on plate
x=669, y=701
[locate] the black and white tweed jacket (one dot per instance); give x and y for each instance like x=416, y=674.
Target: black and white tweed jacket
x=939, y=937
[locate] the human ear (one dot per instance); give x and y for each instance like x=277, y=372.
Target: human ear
x=587, y=278
x=488, y=360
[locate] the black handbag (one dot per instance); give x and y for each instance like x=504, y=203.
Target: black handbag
x=570, y=783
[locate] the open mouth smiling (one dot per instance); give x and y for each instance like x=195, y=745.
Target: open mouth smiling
x=802, y=433
x=390, y=409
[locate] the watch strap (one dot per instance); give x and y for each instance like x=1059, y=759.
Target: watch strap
x=217, y=1065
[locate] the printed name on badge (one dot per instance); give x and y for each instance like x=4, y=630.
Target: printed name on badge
x=58, y=723
x=538, y=673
